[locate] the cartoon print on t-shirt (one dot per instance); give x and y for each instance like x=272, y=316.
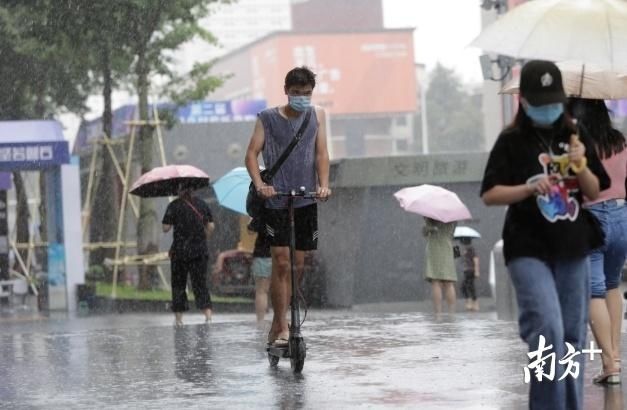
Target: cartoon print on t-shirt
x=558, y=204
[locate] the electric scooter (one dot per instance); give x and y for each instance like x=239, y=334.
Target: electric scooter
x=295, y=350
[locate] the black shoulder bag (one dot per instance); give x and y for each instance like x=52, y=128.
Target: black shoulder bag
x=255, y=203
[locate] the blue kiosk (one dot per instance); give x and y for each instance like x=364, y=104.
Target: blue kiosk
x=40, y=146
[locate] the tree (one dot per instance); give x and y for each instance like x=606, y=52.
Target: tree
x=44, y=75
x=454, y=117
x=98, y=31
x=155, y=28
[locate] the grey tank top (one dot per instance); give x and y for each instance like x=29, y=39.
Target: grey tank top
x=299, y=169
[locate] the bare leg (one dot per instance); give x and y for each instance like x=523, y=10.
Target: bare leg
x=178, y=318
x=262, y=286
x=207, y=313
x=436, y=293
x=601, y=328
x=281, y=291
x=614, y=301
x=449, y=289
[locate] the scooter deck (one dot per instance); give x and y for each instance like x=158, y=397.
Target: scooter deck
x=278, y=351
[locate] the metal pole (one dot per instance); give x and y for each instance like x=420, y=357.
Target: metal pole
x=507, y=100
x=423, y=114
x=293, y=275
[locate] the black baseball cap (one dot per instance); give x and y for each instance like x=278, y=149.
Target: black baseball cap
x=541, y=83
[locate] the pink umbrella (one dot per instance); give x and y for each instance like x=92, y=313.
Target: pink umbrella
x=434, y=202
x=165, y=181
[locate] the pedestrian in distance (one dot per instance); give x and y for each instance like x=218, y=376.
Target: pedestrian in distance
x=440, y=263
x=469, y=261
x=193, y=224
x=307, y=166
x=541, y=167
x=606, y=262
x=261, y=269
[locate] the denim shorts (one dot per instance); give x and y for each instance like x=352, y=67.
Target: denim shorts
x=262, y=267
x=608, y=260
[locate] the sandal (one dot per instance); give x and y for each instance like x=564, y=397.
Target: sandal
x=277, y=340
x=280, y=342
x=607, y=378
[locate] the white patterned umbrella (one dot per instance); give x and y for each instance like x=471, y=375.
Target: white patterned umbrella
x=585, y=31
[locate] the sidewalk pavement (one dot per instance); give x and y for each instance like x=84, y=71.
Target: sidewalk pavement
x=371, y=356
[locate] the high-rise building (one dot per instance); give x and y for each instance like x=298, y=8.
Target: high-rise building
x=235, y=25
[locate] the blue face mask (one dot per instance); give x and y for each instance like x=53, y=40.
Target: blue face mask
x=299, y=102
x=544, y=114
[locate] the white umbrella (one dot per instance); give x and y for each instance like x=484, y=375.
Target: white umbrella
x=585, y=81
x=465, y=232
x=586, y=31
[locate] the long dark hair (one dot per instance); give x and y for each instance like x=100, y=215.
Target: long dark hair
x=594, y=116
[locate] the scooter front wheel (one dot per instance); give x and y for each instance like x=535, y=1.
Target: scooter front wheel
x=298, y=354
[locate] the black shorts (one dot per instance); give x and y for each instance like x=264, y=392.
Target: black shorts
x=277, y=225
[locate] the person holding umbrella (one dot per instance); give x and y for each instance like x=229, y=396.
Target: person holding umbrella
x=439, y=263
x=541, y=168
x=606, y=304
x=469, y=265
x=441, y=210
x=193, y=223
x=470, y=262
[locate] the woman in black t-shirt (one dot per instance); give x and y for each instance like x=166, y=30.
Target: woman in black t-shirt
x=541, y=169
x=193, y=224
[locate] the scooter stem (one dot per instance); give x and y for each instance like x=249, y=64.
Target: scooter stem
x=294, y=311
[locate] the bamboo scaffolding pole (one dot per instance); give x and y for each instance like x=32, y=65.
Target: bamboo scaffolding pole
x=141, y=122
x=91, y=245
x=136, y=260
x=90, y=185
x=24, y=269
x=155, y=114
x=162, y=276
x=96, y=245
x=30, y=253
x=109, y=141
x=127, y=176
x=118, y=169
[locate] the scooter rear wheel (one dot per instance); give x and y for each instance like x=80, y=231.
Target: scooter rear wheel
x=273, y=360
x=299, y=352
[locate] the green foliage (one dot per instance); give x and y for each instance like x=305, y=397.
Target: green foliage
x=38, y=62
x=454, y=115
x=155, y=29
x=197, y=84
x=95, y=273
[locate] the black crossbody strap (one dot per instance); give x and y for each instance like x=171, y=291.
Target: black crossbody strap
x=289, y=149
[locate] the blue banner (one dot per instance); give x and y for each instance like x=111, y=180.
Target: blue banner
x=220, y=111
x=33, y=155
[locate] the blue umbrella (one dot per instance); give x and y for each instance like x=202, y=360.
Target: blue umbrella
x=232, y=188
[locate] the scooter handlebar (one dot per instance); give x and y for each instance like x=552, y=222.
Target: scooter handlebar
x=301, y=193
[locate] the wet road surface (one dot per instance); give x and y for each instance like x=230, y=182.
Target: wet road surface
x=355, y=359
